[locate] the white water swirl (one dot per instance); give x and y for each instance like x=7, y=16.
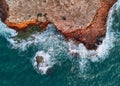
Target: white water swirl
x=53, y=44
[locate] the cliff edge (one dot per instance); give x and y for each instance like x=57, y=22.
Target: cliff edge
x=81, y=20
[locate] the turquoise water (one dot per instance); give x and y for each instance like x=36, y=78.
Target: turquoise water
x=62, y=66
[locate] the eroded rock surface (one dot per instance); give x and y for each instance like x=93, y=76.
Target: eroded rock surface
x=66, y=14
x=81, y=20
x=90, y=35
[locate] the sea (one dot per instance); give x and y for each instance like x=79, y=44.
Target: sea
x=64, y=63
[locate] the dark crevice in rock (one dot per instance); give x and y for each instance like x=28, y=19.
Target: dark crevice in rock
x=63, y=18
x=3, y=10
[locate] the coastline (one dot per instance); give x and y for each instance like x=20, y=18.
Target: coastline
x=89, y=35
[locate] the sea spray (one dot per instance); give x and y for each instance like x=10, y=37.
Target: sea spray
x=6, y=32
x=108, y=42
x=52, y=43
x=55, y=50
x=44, y=65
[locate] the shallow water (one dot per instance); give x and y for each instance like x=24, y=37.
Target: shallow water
x=99, y=67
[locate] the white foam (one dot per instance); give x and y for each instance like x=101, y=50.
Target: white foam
x=47, y=63
x=83, y=65
x=36, y=38
x=103, y=50
x=80, y=49
x=6, y=32
x=50, y=39
x=24, y=44
x=108, y=43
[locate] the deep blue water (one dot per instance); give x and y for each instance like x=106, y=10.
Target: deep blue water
x=90, y=68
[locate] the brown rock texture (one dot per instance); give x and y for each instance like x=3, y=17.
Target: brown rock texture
x=81, y=20
x=65, y=14
x=3, y=10
x=96, y=29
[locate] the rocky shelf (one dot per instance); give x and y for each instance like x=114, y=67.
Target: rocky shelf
x=81, y=20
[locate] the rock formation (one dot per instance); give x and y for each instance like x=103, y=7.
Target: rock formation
x=3, y=10
x=81, y=20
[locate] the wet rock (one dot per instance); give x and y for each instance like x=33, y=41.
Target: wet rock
x=39, y=59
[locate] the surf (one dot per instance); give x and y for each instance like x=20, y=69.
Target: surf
x=54, y=49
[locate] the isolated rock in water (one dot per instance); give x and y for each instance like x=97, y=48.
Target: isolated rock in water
x=81, y=20
x=39, y=59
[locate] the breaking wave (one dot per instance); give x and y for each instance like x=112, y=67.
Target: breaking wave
x=53, y=48
x=44, y=65
x=104, y=49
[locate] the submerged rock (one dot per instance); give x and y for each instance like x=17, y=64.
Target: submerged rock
x=81, y=20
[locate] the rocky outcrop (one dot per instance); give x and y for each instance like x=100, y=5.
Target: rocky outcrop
x=97, y=28
x=39, y=59
x=65, y=14
x=81, y=20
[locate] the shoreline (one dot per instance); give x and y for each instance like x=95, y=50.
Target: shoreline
x=89, y=35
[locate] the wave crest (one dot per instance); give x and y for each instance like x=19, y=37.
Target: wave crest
x=54, y=49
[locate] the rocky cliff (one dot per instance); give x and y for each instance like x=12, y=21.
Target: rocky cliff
x=81, y=20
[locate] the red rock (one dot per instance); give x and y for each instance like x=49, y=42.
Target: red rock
x=96, y=29
x=81, y=20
